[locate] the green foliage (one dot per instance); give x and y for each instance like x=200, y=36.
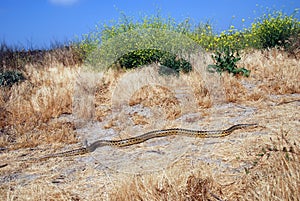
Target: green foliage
x=143, y=57
x=177, y=64
x=125, y=24
x=86, y=46
x=275, y=29
x=270, y=30
x=132, y=43
x=233, y=38
x=9, y=78
x=225, y=60
x=139, y=58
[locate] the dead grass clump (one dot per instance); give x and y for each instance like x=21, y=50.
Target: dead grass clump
x=157, y=96
x=64, y=55
x=173, y=184
x=103, y=92
x=257, y=95
x=294, y=46
x=3, y=112
x=139, y=119
x=38, y=191
x=103, y=100
x=274, y=175
x=45, y=134
x=273, y=71
x=200, y=90
x=234, y=90
x=200, y=189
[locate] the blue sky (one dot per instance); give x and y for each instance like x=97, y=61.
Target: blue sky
x=38, y=23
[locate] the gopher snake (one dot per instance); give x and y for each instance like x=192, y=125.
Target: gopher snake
x=147, y=136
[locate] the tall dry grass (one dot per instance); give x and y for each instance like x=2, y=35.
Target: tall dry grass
x=272, y=72
x=279, y=73
x=28, y=107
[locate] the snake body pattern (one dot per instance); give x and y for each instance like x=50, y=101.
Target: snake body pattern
x=147, y=136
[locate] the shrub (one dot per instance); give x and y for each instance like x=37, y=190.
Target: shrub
x=204, y=35
x=143, y=57
x=225, y=60
x=275, y=29
x=132, y=43
x=86, y=46
x=9, y=78
x=177, y=64
x=139, y=58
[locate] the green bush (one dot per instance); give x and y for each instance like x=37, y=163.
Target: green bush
x=177, y=64
x=144, y=57
x=86, y=46
x=9, y=78
x=270, y=30
x=225, y=60
x=275, y=29
x=139, y=58
x=131, y=44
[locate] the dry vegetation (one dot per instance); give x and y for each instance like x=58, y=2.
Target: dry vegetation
x=275, y=177
x=30, y=109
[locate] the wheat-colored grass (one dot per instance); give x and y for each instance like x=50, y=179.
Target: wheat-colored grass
x=29, y=106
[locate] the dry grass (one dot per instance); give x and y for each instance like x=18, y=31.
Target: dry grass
x=167, y=186
x=13, y=58
x=29, y=112
x=157, y=96
x=274, y=175
x=29, y=106
x=277, y=73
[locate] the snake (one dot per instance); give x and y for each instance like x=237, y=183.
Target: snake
x=147, y=136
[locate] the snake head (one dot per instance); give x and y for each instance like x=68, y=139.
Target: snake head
x=85, y=143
